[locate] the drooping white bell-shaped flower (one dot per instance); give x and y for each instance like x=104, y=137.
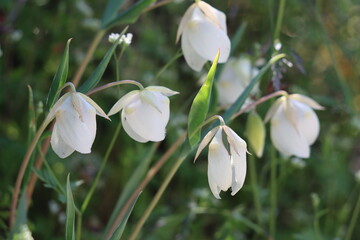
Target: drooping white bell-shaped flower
x=234, y=78
x=203, y=32
x=145, y=113
x=294, y=124
x=226, y=160
x=75, y=126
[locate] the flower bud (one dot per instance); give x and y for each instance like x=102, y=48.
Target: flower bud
x=255, y=131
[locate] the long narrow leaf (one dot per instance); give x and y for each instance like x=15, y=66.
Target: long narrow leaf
x=120, y=228
x=130, y=186
x=130, y=15
x=110, y=11
x=20, y=226
x=236, y=106
x=70, y=212
x=200, y=105
x=96, y=76
x=59, y=78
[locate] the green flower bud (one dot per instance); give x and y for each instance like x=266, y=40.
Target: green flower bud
x=255, y=131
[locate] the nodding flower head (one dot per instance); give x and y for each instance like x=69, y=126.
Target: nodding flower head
x=226, y=160
x=294, y=124
x=145, y=113
x=203, y=32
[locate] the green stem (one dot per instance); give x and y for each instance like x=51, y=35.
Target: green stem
x=279, y=19
x=23, y=167
x=353, y=220
x=157, y=197
x=255, y=189
x=173, y=59
x=317, y=227
x=103, y=164
x=273, y=192
x=78, y=226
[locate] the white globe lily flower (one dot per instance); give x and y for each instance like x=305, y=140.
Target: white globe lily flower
x=75, y=126
x=145, y=113
x=226, y=160
x=203, y=32
x=294, y=124
x=234, y=78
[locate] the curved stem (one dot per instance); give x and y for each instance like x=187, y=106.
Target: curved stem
x=150, y=174
x=353, y=220
x=88, y=57
x=103, y=164
x=279, y=20
x=112, y=84
x=257, y=102
x=157, y=197
x=21, y=173
x=159, y=4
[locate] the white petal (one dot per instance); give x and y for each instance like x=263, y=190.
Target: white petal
x=219, y=163
x=306, y=100
x=308, y=122
x=192, y=58
x=213, y=186
x=215, y=16
x=206, y=39
x=98, y=109
x=286, y=138
x=151, y=98
x=131, y=132
x=185, y=19
x=77, y=130
x=56, y=106
x=147, y=121
x=163, y=90
x=122, y=102
x=239, y=170
x=274, y=108
x=208, y=137
x=236, y=142
x=58, y=145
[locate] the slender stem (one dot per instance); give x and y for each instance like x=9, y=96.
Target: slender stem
x=150, y=174
x=255, y=189
x=156, y=5
x=37, y=165
x=21, y=173
x=317, y=226
x=353, y=220
x=102, y=167
x=177, y=55
x=88, y=57
x=273, y=193
x=115, y=84
x=78, y=226
x=279, y=19
x=157, y=197
x=257, y=102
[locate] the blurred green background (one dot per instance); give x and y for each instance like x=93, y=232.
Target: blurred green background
x=324, y=37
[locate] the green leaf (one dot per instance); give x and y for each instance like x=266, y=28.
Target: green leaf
x=200, y=105
x=20, y=226
x=120, y=228
x=130, y=186
x=130, y=15
x=236, y=106
x=96, y=76
x=110, y=11
x=59, y=78
x=70, y=212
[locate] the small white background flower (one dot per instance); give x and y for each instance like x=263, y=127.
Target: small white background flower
x=294, y=124
x=75, y=126
x=145, y=113
x=226, y=160
x=234, y=78
x=203, y=32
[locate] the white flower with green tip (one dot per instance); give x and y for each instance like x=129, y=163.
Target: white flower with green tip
x=75, y=126
x=203, y=32
x=226, y=160
x=294, y=124
x=145, y=113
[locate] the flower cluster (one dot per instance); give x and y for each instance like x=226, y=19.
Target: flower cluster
x=126, y=39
